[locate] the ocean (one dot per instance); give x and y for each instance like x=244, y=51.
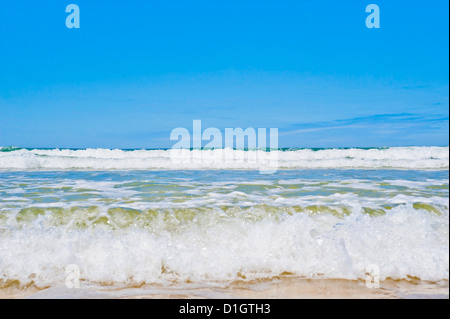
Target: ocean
x=127, y=218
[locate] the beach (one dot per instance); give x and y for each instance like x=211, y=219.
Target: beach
x=280, y=288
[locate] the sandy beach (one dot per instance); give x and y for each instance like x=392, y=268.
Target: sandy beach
x=279, y=288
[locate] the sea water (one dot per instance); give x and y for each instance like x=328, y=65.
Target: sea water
x=131, y=217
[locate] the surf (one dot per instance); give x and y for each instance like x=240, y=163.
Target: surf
x=430, y=158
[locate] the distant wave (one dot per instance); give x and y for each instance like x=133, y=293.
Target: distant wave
x=14, y=158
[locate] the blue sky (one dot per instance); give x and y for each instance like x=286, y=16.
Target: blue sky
x=135, y=70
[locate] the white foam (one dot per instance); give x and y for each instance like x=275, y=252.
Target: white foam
x=106, y=159
x=213, y=247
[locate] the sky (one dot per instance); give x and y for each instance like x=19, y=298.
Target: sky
x=135, y=70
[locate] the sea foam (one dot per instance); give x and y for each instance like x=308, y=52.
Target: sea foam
x=105, y=159
x=215, y=247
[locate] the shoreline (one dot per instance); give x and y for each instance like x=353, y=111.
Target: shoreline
x=286, y=287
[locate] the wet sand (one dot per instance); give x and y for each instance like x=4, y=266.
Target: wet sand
x=279, y=288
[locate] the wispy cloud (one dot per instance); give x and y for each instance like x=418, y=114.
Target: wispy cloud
x=415, y=87
x=385, y=129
